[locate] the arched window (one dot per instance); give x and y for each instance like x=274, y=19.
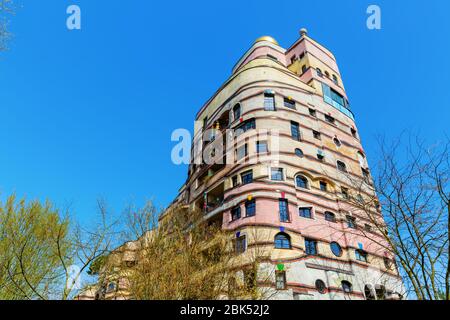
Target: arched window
x=337, y=142
x=237, y=111
x=336, y=249
x=299, y=153
x=335, y=79
x=330, y=216
x=319, y=72
x=362, y=159
x=368, y=292
x=327, y=74
x=301, y=182
x=341, y=166
x=346, y=286
x=282, y=241
x=320, y=286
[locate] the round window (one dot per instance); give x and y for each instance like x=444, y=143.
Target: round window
x=336, y=249
x=299, y=153
x=320, y=286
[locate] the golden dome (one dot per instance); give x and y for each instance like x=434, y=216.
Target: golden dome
x=267, y=38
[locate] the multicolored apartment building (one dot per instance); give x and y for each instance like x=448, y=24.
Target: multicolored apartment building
x=286, y=152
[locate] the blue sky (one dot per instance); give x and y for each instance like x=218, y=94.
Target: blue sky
x=88, y=114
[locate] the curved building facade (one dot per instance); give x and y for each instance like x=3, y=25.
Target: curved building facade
x=285, y=153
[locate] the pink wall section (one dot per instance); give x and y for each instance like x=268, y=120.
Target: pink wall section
x=264, y=51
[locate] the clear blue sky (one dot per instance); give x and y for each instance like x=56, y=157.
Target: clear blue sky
x=89, y=113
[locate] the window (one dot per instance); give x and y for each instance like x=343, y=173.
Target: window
x=367, y=227
x=341, y=166
x=284, y=211
x=282, y=241
x=247, y=177
x=244, y=127
x=361, y=255
x=319, y=72
x=235, y=213
x=280, y=280
x=366, y=175
x=261, y=147
x=299, y=153
x=327, y=74
x=334, y=98
x=269, y=101
x=320, y=286
x=205, y=123
x=301, y=182
x=289, y=103
x=111, y=287
x=295, y=130
x=368, y=292
x=293, y=59
x=310, y=247
x=336, y=249
x=272, y=57
x=346, y=286
x=250, y=208
x=320, y=155
x=241, y=152
x=353, y=131
x=276, y=174
x=316, y=135
x=337, y=142
x=237, y=111
x=335, y=80
x=234, y=181
x=362, y=159
x=380, y=292
x=323, y=186
x=330, y=216
x=301, y=56
x=312, y=112
x=240, y=244
x=304, y=68
x=360, y=199
x=329, y=119
x=387, y=263
x=351, y=222
x=344, y=192
x=305, y=212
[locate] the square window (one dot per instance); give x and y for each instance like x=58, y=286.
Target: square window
x=305, y=212
x=277, y=174
x=289, y=103
x=317, y=135
x=261, y=147
x=312, y=112
x=235, y=213
x=247, y=177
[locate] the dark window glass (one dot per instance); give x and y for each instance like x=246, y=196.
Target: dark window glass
x=351, y=223
x=368, y=293
x=344, y=192
x=247, y=177
x=329, y=119
x=284, y=211
x=299, y=153
x=250, y=208
x=323, y=186
x=301, y=182
x=353, y=131
x=244, y=127
x=311, y=247
x=341, y=166
x=335, y=79
x=235, y=213
x=237, y=111
x=336, y=249
x=304, y=68
x=295, y=130
x=312, y=112
x=346, y=286
x=320, y=286
x=289, y=103
x=277, y=174
x=319, y=72
x=317, y=135
x=282, y=241
x=240, y=245
x=361, y=255
x=329, y=216
x=305, y=212
x=235, y=181
x=337, y=142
